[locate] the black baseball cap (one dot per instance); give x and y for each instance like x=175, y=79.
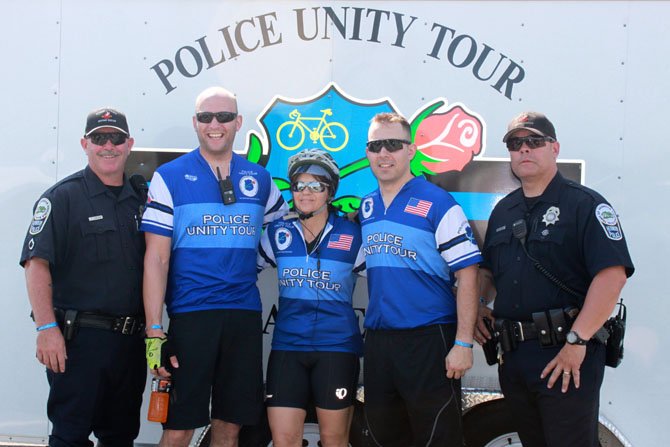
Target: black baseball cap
x=535, y=122
x=106, y=117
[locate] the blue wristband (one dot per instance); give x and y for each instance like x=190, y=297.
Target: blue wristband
x=464, y=344
x=46, y=326
x=156, y=326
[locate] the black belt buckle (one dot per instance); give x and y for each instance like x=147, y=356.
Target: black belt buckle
x=127, y=325
x=518, y=330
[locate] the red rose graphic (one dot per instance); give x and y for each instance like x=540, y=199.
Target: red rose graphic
x=449, y=140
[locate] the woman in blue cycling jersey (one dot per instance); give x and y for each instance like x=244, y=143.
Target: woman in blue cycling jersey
x=317, y=342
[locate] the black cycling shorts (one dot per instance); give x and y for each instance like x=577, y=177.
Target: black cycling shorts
x=298, y=378
x=220, y=354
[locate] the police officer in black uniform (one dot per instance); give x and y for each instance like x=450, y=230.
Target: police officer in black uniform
x=83, y=258
x=556, y=255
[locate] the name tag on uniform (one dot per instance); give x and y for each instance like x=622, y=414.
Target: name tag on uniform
x=94, y=218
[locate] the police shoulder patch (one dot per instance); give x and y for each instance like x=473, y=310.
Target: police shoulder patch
x=609, y=221
x=283, y=239
x=249, y=186
x=366, y=207
x=42, y=212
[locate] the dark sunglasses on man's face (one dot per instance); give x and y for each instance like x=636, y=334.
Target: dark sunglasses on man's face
x=222, y=117
x=532, y=141
x=313, y=186
x=391, y=145
x=100, y=139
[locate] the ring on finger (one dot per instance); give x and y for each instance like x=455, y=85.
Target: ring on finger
x=566, y=373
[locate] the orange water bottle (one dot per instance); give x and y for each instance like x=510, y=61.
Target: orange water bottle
x=160, y=400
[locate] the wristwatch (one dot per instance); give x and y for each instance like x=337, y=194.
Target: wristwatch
x=573, y=338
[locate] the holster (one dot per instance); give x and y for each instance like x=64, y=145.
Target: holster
x=506, y=335
x=490, y=347
x=69, y=324
x=616, y=327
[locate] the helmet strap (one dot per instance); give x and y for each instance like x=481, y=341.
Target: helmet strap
x=305, y=216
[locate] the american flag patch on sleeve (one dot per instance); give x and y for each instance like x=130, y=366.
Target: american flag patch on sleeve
x=340, y=241
x=418, y=207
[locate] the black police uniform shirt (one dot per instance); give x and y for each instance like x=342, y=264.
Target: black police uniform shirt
x=90, y=238
x=572, y=231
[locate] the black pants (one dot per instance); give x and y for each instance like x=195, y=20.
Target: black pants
x=408, y=399
x=100, y=391
x=547, y=417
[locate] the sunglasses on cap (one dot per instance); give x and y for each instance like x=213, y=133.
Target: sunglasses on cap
x=391, y=145
x=100, y=139
x=313, y=186
x=532, y=141
x=222, y=117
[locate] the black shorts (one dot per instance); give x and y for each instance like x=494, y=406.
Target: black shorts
x=220, y=354
x=408, y=398
x=297, y=378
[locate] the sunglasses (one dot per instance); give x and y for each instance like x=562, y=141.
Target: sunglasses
x=533, y=142
x=391, y=145
x=100, y=139
x=313, y=186
x=222, y=117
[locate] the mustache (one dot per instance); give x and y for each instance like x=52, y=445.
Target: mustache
x=107, y=152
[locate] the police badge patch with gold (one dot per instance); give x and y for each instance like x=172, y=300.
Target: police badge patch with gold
x=609, y=221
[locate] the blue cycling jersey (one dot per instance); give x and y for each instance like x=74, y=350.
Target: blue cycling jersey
x=411, y=250
x=214, y=246
x=315, y=289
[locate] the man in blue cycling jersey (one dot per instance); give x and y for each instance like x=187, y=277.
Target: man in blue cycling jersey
x=416, y=240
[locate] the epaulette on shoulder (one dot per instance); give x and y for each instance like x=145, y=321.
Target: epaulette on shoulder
x=585, y=189
x=77, y=176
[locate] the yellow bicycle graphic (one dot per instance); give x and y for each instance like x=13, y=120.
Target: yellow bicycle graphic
x=332, y=135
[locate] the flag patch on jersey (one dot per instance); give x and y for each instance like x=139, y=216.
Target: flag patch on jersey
x=418, y=207
x=340, y=241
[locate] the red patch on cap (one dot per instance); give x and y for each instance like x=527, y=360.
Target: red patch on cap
x=523, y=119
x=106, y=115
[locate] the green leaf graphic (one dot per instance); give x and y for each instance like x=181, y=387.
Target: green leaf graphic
x=347, y=204
x=354, y=166
x=255, y=150
x=281, y=183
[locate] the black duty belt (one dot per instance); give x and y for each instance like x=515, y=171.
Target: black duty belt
x=548, y=327
x=124, y=325
x=524, y=330
x=70, y=320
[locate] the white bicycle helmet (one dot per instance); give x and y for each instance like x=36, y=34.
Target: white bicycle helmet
x=315, y=162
